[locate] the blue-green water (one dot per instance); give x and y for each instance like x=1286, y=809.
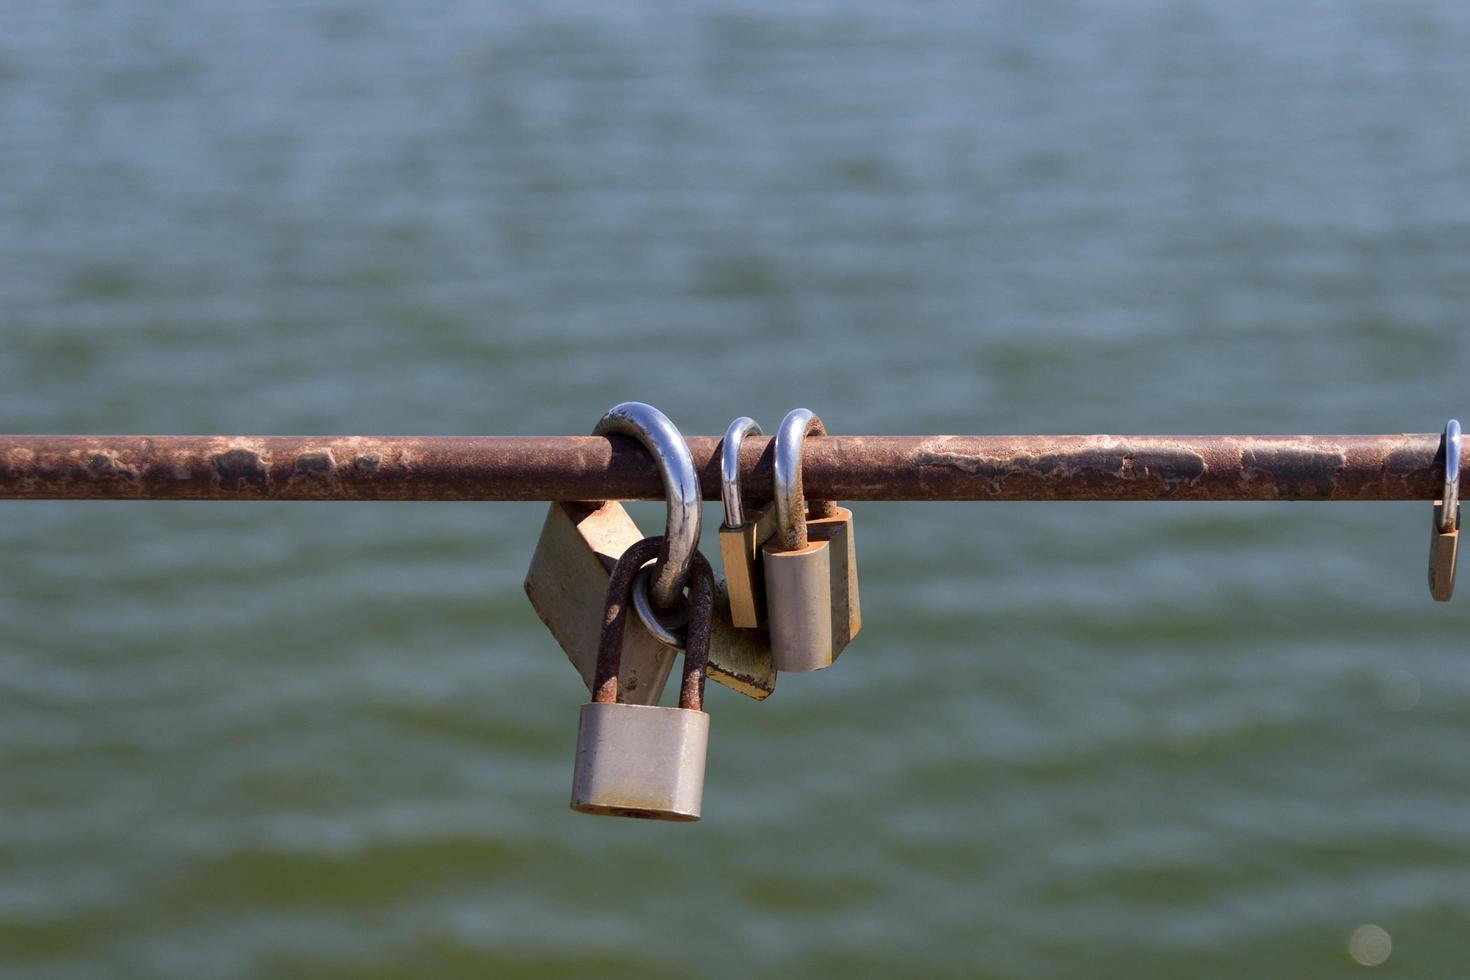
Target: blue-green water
x=1073, y=740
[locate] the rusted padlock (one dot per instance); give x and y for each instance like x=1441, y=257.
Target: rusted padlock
x=810, y=564
x=581, y=542
x=636, y=760
x=1444, y=533
x=743, y=533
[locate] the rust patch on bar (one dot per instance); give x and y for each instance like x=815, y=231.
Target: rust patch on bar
x=106, y=465
x=237, y=469
x=1101, y=461
x=313, y=464
x=1405, y=460
x=1297, y=472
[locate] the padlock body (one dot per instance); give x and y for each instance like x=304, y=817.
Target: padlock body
x=740, y=553
x=1443, y=552
x=799, y=598
x=638, y=760
x=740, y=659
x=567, y=584
x=847, y=613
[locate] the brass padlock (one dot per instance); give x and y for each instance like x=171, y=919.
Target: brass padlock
x=743, y=534
x=1444, y=532
x=637, y=760
x=810, y=564
x=567, y=584
x=581, y=542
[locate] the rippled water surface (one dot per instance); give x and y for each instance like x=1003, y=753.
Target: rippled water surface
x=1073, y=740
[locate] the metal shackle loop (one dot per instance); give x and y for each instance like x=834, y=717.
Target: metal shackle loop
x=730, y=467
x=701, y=624
x=791, y=511
x=1449, y=516
x=615, y=619
x=670, y=453
x=671, y=628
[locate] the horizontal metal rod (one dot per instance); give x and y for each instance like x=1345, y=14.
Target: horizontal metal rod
x=1100, y=467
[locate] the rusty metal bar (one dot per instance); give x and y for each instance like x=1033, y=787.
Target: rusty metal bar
x=1100, y=467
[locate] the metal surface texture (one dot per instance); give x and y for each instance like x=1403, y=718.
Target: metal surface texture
x=1449, y=518
x=637, y=760
x=605, y=686
x=1444, y=553
x=1046, y=467
x=730, y=468
x=740, y=553
x=615, y=617
x=791, y=509
x=1444, y=532
x=567, y=584
x=644, y=760
x=668, y=628
x=670, y=453
x=740, y=542
x=841, y=536
x=799, y=597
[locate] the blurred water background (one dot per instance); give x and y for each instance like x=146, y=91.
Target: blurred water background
x=1073, y=740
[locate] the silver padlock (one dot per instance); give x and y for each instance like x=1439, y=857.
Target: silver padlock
x=743, y=534
x=1444, y=532
x=637, y=760
x=810, y=564
x=568, y=579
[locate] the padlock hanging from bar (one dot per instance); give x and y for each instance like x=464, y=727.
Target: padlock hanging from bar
x=810, y=563
x=1444, y=531
x=743, y=534
x=636, y=760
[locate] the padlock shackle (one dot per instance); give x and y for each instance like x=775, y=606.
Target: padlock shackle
x=701, y=625
x=1449, y=516
x=730, y=467
x=615, y=619
x=791, y=508
x=671, y=454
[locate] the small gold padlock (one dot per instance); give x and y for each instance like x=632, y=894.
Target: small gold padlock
x=1444, y=533
x=743, y=534
x=810, y=564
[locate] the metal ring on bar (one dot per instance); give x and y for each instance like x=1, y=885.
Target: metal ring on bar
x=670, y=629
x=681, y=488
x=730, y=467
x=1449, y=515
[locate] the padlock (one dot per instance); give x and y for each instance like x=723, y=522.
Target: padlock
x=1444, y=532
x=568, y=578
x=743, y=534
x=567, y=584
x=847, y=612
x=810, y=564
x=581, y=542
x=636, y=760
